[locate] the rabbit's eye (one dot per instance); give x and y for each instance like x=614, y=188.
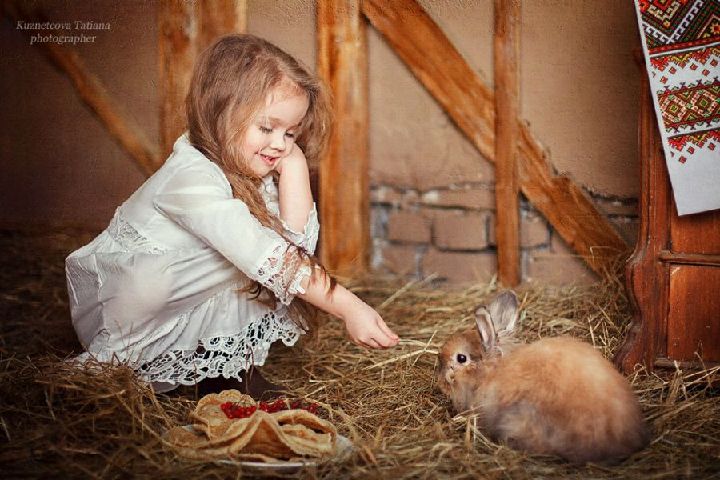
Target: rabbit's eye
x=461, y=358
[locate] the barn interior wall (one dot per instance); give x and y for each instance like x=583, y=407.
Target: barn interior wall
x=432, y=203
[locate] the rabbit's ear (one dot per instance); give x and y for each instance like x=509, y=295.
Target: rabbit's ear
x=504, y=311
x=485, y=328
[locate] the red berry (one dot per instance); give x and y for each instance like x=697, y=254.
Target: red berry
x=236, y=410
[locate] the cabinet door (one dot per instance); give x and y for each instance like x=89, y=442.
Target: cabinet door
x=693, y=326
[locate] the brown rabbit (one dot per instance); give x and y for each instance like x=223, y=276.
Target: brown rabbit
x=554, y=396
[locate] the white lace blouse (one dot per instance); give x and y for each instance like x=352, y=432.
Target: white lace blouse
x=160, y=287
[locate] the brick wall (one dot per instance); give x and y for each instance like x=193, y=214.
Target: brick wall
x=451, y=232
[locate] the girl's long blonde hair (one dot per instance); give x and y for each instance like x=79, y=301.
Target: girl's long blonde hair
x=230, y=85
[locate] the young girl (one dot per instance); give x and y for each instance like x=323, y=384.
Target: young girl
x=195, y=276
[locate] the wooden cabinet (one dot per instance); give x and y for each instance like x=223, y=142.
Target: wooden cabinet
x=673, y=276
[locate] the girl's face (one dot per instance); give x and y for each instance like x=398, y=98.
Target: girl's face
x=271, y=135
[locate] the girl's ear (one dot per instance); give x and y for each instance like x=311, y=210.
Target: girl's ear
x=485, y=328
x=504, y=311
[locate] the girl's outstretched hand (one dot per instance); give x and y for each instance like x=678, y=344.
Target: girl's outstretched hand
x=364, y=325
x=367, y=329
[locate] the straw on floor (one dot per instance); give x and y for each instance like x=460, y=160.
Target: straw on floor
x=60, y=422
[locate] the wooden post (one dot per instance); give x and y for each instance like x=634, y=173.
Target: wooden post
x=185, y=29
x=344, y=206
x=92, y=91
x=177, y=30
x=507, y=225
x=219, y=17
x=421, y=44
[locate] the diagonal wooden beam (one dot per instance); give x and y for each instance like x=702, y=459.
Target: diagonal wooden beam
x=344, y=208
x=425, y=49
x=92, y=91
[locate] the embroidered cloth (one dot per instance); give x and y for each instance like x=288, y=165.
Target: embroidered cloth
x=681, y=43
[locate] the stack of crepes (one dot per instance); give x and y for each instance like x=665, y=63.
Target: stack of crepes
x=267, y=437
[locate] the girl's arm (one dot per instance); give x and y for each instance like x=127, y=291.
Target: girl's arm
x=364, y=325
x=294, y=194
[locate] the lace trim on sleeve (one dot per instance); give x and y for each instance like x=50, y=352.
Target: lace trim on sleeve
x=283, y=273
x=309, y=236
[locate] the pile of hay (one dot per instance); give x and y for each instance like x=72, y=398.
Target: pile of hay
x=58, y=422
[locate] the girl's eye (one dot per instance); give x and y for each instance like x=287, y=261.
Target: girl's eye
x=265, y=129
x=290, y=135
x=461, y=358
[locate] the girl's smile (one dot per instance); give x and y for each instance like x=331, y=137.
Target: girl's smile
x=269, y=160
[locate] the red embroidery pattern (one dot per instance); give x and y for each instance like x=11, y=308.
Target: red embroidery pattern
x=689, y=144
x=696, y=105
x=704, y=57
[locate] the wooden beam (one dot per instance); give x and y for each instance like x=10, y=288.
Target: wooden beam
x=569, y=210
x=92, y=91
x=421, y=44
x=344, y=209
x=177, y=30
x=507, y=191
x=219, y=17
x=185, y=29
